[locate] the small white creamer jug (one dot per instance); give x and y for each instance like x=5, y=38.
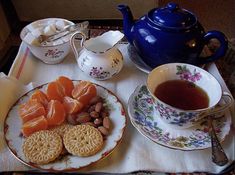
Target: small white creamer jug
x=99, y=58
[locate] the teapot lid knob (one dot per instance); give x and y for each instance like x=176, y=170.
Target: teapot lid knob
x=172, y=6
x=172, y=17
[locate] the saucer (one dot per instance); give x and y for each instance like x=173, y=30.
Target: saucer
x=141, y=112
x=137, y=60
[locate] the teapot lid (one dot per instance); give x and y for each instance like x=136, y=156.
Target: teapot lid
x=172, y=17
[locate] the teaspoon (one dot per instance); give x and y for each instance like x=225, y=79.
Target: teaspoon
x=66, y=31
x=218, y=155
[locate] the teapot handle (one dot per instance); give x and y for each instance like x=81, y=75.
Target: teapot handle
x=220, y=52
x=72, y=42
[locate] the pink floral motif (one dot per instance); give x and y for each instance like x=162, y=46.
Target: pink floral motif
x=185, y=74
x=142, y=117
x=99, y=73
x=142, y=114
x=54, y=53
x=149, y=100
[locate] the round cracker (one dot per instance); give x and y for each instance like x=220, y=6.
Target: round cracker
x=42, y=147
x=83, y=140
x=61, y=129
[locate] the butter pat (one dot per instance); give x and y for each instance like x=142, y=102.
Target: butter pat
x=37, y=32
x=33, y=27
x=50, y=22
x=60, y=24
x=50, y=29
x=30, y=39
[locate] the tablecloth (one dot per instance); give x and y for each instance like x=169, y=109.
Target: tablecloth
x=135, y=153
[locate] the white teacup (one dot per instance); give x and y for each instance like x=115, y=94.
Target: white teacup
x=184, y=118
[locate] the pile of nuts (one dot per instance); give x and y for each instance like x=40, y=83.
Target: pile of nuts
x=95, y=114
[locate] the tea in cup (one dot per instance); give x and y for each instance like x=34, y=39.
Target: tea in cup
x=183, y=94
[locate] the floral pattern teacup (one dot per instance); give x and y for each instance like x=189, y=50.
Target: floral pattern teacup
x=178, y=71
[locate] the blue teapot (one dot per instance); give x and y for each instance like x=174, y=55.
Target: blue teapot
x=170, y=34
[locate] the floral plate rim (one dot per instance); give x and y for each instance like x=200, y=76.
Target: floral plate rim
x=115, y=141
x=142, y=130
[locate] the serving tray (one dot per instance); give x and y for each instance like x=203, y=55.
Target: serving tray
x=135, y=153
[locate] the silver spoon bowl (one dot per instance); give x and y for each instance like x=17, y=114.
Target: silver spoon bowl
x=69, y=29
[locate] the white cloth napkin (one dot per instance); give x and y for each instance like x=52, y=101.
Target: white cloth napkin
x=10, y=90
x=135, y=151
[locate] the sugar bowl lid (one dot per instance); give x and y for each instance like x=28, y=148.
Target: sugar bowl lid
x=172, y=17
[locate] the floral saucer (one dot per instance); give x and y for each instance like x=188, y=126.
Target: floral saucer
x=137, y=60
x=141, y=112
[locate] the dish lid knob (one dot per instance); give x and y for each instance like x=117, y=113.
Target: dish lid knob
x=172, y=17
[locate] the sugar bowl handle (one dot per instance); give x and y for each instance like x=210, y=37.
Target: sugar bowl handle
x=72, y=42
x=228, y=99
x=218, y=111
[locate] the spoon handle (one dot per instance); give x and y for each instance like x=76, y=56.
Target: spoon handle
x=218, y=155
x=43, y=39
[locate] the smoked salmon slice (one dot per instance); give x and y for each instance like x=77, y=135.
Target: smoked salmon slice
x=80, y=88
x=72, y=105
x=55, y=91
x=31, y=110
x=84, y=92
x=40, y=97
x=66, y=84
x=86, y=97
x=36, y=124
x=55, y=113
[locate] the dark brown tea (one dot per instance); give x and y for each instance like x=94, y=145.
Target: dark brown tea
x=182, y=94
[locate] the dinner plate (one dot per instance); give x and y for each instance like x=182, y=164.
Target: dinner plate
x=14, y=138
x=144, y=118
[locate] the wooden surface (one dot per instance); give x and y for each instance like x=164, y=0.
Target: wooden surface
x=212, y=14
x=4, y=28
x=29, y=10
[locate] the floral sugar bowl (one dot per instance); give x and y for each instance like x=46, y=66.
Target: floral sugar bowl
x=99, y=57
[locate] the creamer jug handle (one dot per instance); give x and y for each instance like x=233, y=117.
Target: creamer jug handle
x=72, y=42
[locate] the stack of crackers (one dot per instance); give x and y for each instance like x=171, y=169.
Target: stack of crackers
x=46, y=146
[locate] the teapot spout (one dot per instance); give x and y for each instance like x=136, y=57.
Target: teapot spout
x=127, y=21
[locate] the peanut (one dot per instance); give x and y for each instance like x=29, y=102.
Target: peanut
x=104, y=114
x=94, y=114
x=83, y=117
x=107, y=123
x=98, y=107
x=95, y=100
x=91, y=108
x=98, y=121
x=103, y=130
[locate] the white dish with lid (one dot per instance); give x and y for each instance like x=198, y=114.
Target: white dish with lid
x=51, y=53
